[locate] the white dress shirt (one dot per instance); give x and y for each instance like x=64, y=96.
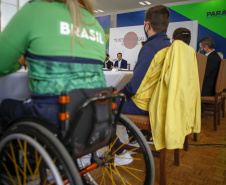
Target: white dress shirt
x=119, y=64
x=208, y=53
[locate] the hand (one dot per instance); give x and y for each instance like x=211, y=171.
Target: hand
x=22, y=61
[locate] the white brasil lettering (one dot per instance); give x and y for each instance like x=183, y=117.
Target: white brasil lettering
x=66, y=29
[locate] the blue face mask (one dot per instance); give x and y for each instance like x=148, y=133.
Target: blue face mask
x=146, y=34
x=203, y=51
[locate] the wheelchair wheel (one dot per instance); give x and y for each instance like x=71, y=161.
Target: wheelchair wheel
x=30, y=154
x=127, y=160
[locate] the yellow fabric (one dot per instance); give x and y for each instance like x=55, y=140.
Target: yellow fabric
x=175, y=106
x=148, y=84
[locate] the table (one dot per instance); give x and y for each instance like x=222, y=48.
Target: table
x=15, y=85
x=117, y=79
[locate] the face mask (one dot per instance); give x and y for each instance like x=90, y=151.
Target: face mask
x=203, y=51
x=146, y=34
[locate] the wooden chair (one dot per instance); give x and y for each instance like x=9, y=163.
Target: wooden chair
x=215, y=101
x=201, y=61
x=128, y=66
x=143, y=122
x=223, y=95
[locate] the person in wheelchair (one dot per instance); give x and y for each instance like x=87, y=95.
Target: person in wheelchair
x=64, y=46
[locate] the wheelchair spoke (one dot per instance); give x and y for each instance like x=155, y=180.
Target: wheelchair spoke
x=125, y=162
x=118, y=174
x=134, y=169
x=123, y=178
x=25, y=158
x=38, y=162
x=7, y=171
x=103, y=178
x=21, y=171
x=110, y=175
x=96, y=173
x=26, y=163
x=45, y=181
x=111, y=145
x=15, y=164
x=122, y=154
x=129, y=172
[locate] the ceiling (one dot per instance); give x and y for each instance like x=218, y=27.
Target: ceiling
x=122, y=6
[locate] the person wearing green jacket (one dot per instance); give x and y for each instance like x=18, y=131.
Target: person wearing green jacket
x=64, y=46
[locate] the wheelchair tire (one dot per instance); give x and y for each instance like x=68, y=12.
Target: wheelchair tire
x=25, y=154
x=123, y=161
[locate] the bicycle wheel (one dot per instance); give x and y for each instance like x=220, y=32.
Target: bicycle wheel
x=127, y=159
x=22, y=162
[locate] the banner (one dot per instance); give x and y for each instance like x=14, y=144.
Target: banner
x=105, y=22
x=127, y=40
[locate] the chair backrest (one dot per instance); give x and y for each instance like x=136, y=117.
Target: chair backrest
x=224, y=75
x=201, y=60
x=220, y=83
x=128, y=66
x=91, y=119
x=220, y=54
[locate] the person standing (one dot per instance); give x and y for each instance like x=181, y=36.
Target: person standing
x=207, y=47
x=120, y=63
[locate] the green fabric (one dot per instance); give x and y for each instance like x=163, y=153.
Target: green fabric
x=68, y=76
x=42, y=29
x=211, y=14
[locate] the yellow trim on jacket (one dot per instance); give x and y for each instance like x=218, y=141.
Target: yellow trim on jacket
x=147, y=86
x=175, y=106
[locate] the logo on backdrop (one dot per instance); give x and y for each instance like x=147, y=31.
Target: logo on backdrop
x=130, y=40
x=216, y=14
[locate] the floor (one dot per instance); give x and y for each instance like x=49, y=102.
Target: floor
x=204, y=162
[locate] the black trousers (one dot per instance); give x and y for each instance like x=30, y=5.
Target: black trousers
x=45, y=108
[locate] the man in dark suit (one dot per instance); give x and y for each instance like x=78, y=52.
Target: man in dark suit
x=120, y=63
x=207, y=47
x=108, y=64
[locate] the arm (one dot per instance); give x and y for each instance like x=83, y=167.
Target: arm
x=14, y=41
x=144, y=61
x=116, y=64
x=124, y=64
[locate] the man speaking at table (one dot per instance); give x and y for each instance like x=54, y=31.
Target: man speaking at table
x=150, y=59
x=120, y=63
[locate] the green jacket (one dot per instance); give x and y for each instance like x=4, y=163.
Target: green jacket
x=42, y=31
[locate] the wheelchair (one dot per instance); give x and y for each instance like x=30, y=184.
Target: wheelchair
x=91, y=145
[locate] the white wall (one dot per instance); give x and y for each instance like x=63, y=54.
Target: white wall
x=8, y=10
x=133, y=35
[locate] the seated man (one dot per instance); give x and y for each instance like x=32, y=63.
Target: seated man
x=108, y=64
x=147, y=70
x=207, y=47
x=120, y=63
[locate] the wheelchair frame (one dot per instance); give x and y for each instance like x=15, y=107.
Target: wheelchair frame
x=64, y=141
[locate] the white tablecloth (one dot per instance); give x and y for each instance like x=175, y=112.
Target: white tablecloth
x=117, y=79
x=15, y=86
